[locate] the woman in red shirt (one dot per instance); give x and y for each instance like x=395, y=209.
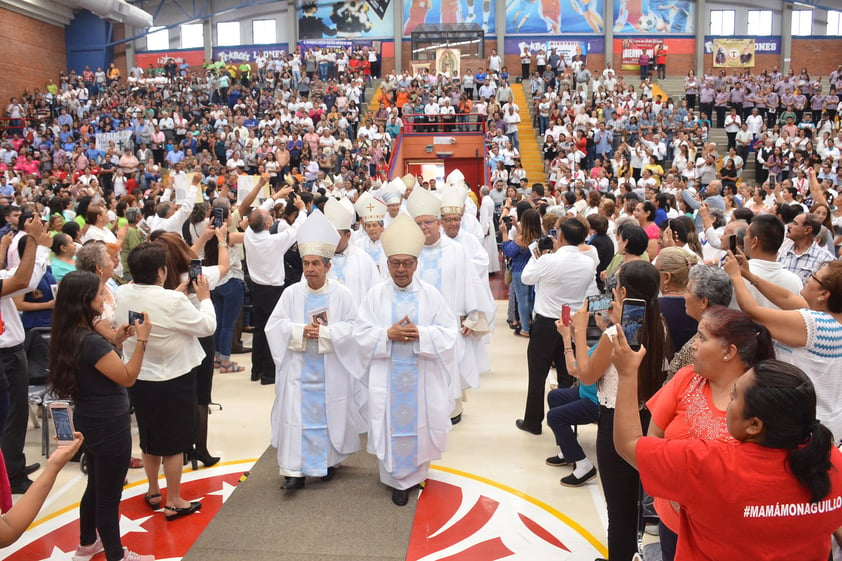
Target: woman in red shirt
x=774, y=496
x=692, y=404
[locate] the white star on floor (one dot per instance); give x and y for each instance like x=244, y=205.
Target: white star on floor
x=225, y=492
x=127, y=525
x=57, y=555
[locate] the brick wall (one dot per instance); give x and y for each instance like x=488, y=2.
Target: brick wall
x=821, y=57
x=33, y=52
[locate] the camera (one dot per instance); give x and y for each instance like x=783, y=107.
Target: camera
x=545, y=243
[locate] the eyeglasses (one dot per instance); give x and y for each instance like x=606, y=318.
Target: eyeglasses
x=815, y=278
x=406, y=264
x=426, y=222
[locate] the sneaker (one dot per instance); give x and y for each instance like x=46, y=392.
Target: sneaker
x=85, y=552
x=573, y=481
x=555, y=461
x=132, y=556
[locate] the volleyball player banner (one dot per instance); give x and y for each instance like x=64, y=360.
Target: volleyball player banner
x=553, y=17
x=653, y=16
x=345, y=19
x=633, y=48
x=733, y=53
x=480, y=12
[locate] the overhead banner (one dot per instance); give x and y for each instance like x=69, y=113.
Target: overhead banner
x=733, y=53
x=552, y=17
x=480, y=12
x=653, y=16
x=345, y=19
x=121, y=139
x=633, y=48
x=194, y=57
x=345, y=44
x=248, y=53
x=568, y=48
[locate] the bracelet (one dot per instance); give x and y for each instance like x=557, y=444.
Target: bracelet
x=570, y=350
x=755, y=281
x=223, y=244
x=143, y=341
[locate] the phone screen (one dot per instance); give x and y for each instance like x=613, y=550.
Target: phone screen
x=600, y=302
x=732, y=243
x=195, y=269
x=218, y=217
x=634, y=314
x=62, y=423
x=565, y=314
x=135, y=316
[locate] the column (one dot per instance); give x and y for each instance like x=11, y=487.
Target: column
x=500, y=22
x=208, y=33
x=292, y=23
x=397, y=35
x=608, y=19
x=129, y=31
x=700, y=26
x=786, y=37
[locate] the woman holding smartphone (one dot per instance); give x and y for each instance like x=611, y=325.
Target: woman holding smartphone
x=87, y=368
x=639, y=283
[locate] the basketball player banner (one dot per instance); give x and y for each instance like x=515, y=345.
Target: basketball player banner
x=553, y=17
x=633, y=48
x=653, y=16
x=345, y=19
x=733, y=53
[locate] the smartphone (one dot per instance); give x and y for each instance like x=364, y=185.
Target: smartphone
x=772, y=181
x=135, y=316
x=553, y=232
x=195, y=269
x=565, y=314
x=732, y=243
x=633, y=320
x=600, y=302
x=218, y=217
x=62, y=421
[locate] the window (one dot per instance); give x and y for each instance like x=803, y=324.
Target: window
x=263, y=31
x=192, y=36
x=158, y=39
x=759, y=22
x=722, y=22
x=834, y=22
x=802, y=22
x=228, y=33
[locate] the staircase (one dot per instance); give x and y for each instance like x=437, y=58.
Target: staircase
x=531, y=153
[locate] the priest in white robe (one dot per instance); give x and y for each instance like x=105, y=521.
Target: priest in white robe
x=489, y=232
x=315, y=417
x=372, y=213
x=407, y=336
x=350, y=265
x=445, y=264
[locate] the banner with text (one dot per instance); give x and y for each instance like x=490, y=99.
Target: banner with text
x=248, y=53
x=633, y=48
x=480, y=12
x=568, y=48
x=762, y=45
x=345, y=19
x=733, y=53
x=193, y=57
x=553, y=17
x=121, y=139
x=653, y=16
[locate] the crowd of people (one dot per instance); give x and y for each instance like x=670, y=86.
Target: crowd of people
x=136, y=214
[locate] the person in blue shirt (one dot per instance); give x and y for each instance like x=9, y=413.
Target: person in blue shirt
x=175, y=156
x=94, y=154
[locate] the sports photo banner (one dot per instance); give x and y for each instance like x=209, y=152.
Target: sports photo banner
x=568, y=48
x=633, y=48
x=553, y=17
x=733, y=53
x=653, y=16
x=345, y=19
x=480, y=12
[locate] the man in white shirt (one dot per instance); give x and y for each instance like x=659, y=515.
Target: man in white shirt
x=562, y=277
x=264, y=254
x=762, y=241
x=512, y=119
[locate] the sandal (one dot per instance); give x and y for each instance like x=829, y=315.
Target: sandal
x=135, y=463
x=230, y=367
x=153, y=505
x=217, y=364
x=182, y=511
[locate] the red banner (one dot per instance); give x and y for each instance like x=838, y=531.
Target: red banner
x=159, y=58
x=633, y=48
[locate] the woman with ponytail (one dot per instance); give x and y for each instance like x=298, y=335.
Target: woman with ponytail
x=693, y=403
x=775, y=495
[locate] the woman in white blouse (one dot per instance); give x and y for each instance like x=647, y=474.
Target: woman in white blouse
x=165, y=393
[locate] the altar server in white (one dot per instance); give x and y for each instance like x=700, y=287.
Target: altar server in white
x=407, y=336
x=315, y=417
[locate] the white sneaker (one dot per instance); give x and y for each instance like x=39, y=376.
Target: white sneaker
x=132, y=556
x=85, y=552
